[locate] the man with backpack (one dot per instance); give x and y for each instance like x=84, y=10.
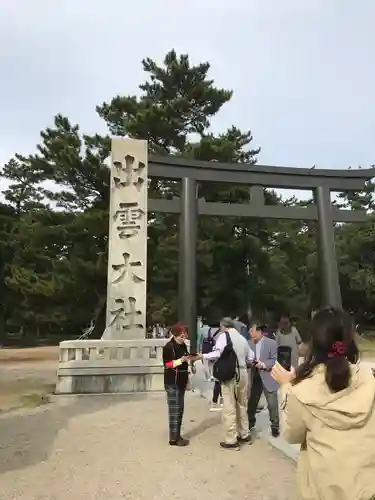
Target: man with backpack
x=232, y=355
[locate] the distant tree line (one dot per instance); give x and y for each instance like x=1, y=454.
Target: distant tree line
x=54, y=221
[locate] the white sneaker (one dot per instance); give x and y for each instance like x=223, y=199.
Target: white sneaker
x=216, y=407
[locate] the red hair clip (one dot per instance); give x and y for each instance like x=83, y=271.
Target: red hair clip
x=338, y=349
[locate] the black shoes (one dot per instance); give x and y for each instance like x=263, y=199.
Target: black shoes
x=232, y=446
x=178, y=441
x=236, y=446
x=246, y=439
x=275, y=433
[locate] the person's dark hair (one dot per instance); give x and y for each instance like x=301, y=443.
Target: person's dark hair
x=244, y=318
x=285, y=315
x=332, y=343
x=285, y=323
x=215, y=324
x=261, y=326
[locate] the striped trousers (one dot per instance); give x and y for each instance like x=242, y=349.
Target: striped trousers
x=175, y=401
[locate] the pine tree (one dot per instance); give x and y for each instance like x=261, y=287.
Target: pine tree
x=61, y=196
x=176, y=103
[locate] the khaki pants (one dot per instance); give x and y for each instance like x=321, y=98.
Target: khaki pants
x=234, y=414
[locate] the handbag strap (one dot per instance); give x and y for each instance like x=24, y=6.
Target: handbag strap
x=229, y=340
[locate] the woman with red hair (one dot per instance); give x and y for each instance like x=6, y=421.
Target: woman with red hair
x=176, y=376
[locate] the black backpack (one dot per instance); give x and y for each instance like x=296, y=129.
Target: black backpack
x=226, y=367
x=208, y=343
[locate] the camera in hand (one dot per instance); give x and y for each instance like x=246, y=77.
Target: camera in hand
x=284, y=356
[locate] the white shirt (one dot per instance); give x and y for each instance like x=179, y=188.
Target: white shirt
x=245, y=355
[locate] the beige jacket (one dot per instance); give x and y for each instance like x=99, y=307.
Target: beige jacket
x=336, y=433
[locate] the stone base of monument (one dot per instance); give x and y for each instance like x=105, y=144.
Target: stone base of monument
x=110, y=366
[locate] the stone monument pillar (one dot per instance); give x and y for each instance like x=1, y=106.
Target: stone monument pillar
x=123, y=360
x=127, y=245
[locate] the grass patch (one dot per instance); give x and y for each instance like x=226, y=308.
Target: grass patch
x=27, y=376
x=34, y=399
x=20, y=393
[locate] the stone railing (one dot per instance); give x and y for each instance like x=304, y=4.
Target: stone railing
x=96, y=366
x=101, y=353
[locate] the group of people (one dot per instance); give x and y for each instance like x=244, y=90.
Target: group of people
x=286, y=334
x=158, y=331
x=256, y=353
x=326, y=405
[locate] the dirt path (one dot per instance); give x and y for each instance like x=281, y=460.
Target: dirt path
x=32, y=354
x=26, y=372
x=112, y=447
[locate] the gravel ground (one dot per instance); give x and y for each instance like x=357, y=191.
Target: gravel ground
x=112, y=447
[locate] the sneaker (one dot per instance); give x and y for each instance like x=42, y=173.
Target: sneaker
x=230, y=446
x=246, y=439
x=221, y=402
x=216, y=407
x=275, y=433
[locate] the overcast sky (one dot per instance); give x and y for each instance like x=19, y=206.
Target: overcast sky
x=302, y=71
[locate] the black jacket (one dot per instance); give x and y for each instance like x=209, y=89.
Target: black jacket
x=175, y=376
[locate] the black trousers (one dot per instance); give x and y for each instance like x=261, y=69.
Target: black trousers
x=176, y=405
x=257, y=389
x=217, y=392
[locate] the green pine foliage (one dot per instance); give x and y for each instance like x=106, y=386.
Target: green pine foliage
x=54, y=220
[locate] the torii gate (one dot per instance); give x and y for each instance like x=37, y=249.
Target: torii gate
x=257, y=177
